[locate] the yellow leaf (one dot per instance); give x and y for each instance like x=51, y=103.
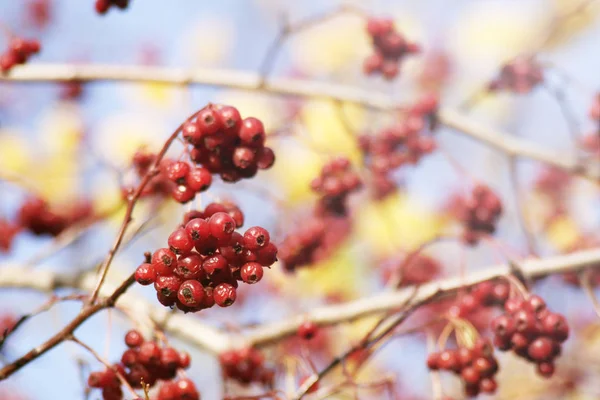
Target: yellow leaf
x=15, y=156
x=60, y=131
x=563, y=233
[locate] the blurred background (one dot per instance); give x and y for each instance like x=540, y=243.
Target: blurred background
x=72, y=149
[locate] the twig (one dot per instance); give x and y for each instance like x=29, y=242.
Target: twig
x=584, y=280
x=297, y=88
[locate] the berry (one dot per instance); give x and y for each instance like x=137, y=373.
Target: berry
x=252, y=132
x=168, y=286
x=189, y=267
x=149, y=353
x=145, y=274
x=178, y=171
x=307, y=330
x=180, y=242
x=133, y=338
x=256, y=237
x=163, y=261
x=224, y=295
x=252, y=272
x=470, y=375
x=545, y=369
x=208, y=122
x=198, y=179
x=216, y=264
x=541, y=349
x=221, y=226
x=555, y=326
x=191, y=293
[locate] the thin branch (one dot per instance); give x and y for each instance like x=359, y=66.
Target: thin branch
x=249, y=81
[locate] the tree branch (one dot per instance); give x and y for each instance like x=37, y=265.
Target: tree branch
x=250, y=81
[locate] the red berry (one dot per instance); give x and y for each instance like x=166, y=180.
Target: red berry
x=145, y=274
x=208, y=122
x=180, y=242
x=191, y=133
x=186, y=390
x=198, y=179
x=541, y=349
x=224, y=294
x=134, y=338
x=433, y=361
x=164, y=261
x=183, y=194
x=129, y=357
x=149, y=353
x=221, y=226
x=267, y=255
x=488, y=385
x=546, y=369
x=256, y=237
x=252, y=272
x=252, y=132
x=265, y=158
x=307, y=330
x=555, y=326
x=177, y=171
x=189, y=267
x=524, y=322
x=229, y=117
x=168, y=286
x=503, y=326
x=191, y=293
x=534, y=304
x=198, y=229
x=447, y=360
x=470, y=375
x=215, y=265
x=169, y=358
x=184, y=360
x=465, y=356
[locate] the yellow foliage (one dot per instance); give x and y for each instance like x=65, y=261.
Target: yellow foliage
x=15, y=156
x=570, y=20
x=563, y=233
x=60, y=131
x=158, y=94
x=396, y=223
x=57, y=180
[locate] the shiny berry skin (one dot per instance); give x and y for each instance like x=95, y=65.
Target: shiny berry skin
x=524, y=322
x=164, y=261
x=178, y=171
x=229, y=117
x=216, y=264
x=244, y=157
x=149, y=353
x=308, y=330
x=186, y=390
x=180, y=242
x=433, y=361
x=129, y=357
x=465, y=356
x=470, y=375
x=447, y=360
x=555, y=326
x=198, y=179
x=541, y=349
x=184, y=360
x=252, y=272
x=488, y=385
x=168, y=286
x=256, y=237
x=183, y=194
x=221, y=226
x=546, y=369
x=224, y=294
x=134, y=338
x=191, y=133
x=208, y=122
x=513, y=305
x=189, y=267
x=198, y=229
x=267, y=255
x=169, y=358
x=503, y=326
x=265, y=158
x=534, y=304
x=252, y=132
x=145, y=274
x=486, y=367
x=191, y=293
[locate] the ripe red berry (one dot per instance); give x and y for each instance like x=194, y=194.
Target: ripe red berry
x=470, y=375
x=191, y=293
x=555, y=326
x=224, y=294
x=488, y=385
x=169, y=358
x=215, y=265
x=534, y=304
x=541, y=349
x=524, y=322
x=189, y=267
x=129, y=357
x=208, y=122
x=177, y=171
x=267, y=255
x=256, y=237
x=191, y=133
x=503, y=326
x=252, y=272
x=164, y=261
x=252, y=132
x=198, y=229
x=145, y=274
x=546, y=369
x=229, y=117
x=265, y=158
x=433, y=361
x=307, y=330
x=168, y=286
x=447, y=360
x=134, y=338
x=149, y=353
x=221, y=226
x=198, y=179
x=180, y=242
x=186, y=390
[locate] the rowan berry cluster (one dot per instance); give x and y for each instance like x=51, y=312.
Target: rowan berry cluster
x=102, y=6
x=476, y=366
x=18, y=52
x=226, y=144
x=521, y=75
x=144, y=363
x=481, y=213
x=335, y=183
x=390, y=47
x=246, y=366
x=400, y=144
x=205, y=260
x=36, y=216
x=532, y=331
x=313, y=241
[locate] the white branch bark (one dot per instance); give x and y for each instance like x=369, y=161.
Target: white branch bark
x=197, y=333
x=249, y=81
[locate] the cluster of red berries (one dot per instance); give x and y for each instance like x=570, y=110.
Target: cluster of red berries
x=400, y=144
x=315, y=240
x=246, y=365
x=18, y=52
x=226, y=144
x=335, y=183
x=206, y=258
x=480, y=214
x=476, y=366
x=36, y=216
x=484, y=294
x=143, y=363
x=521, y=75
x=102, y=6
x=389, y=48
x=532, y=331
